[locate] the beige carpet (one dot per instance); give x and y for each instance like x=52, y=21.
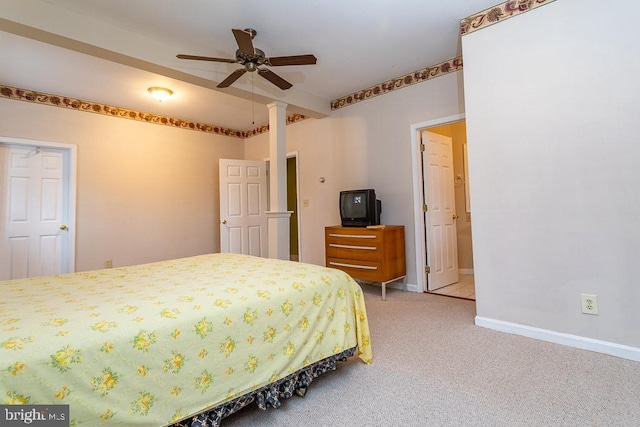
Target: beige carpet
x=433, y=367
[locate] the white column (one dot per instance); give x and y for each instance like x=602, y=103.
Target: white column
x=278, y=216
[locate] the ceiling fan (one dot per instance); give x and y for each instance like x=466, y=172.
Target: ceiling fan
x=252, y=58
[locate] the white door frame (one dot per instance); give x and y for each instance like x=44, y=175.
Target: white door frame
x=72, y=155
x=418, y=197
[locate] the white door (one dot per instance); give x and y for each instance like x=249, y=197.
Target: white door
x=34, y=237
x=243, y=203
x=440, y=217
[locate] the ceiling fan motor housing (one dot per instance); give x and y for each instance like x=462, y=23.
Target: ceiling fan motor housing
x=251, y=62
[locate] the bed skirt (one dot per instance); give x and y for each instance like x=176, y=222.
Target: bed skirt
x=269, y=395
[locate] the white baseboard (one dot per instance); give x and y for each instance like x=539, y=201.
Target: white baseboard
x=465, y=271
x=613, y=349
x=412, y=287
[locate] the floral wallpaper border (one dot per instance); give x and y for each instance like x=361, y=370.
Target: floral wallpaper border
x=124, y=113
x=498, y=13
x=468, y=25
x=292, y=118
x=419, y=76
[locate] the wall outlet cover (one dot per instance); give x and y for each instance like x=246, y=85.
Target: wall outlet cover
x=589, y=303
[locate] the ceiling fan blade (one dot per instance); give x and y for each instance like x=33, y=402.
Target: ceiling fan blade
x=274, y=78
x=292, y=60
x=243, y=38
x=232, y=77
x=206, y=58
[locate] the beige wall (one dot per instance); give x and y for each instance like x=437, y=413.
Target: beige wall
x=145, y=192
x=553, y=162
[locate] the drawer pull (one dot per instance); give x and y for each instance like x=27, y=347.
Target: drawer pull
x=362, y=267
x=366, y=248
x=353, y=236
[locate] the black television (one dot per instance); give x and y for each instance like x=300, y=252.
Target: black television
x=359, y=208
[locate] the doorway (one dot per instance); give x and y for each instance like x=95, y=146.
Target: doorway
x=37, y=208
x=452, y=127
x=292, y=205
x=293, y=186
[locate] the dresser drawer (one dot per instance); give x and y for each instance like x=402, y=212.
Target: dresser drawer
x=354, y=237
x=361, y=250
x=365, y=270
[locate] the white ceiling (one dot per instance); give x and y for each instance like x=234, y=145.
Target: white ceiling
x=127, y=46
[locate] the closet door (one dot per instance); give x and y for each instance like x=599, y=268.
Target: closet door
x=34, y=235
x=243, y=203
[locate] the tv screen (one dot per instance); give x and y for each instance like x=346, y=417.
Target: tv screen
x=355, y=205
x=359, y=208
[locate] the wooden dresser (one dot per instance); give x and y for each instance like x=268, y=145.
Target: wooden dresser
x=373, y=254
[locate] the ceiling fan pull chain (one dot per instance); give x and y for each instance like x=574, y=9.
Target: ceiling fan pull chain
x=252, y=103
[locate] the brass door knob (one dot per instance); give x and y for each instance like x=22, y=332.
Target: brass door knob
x=224, y=221
x=63, y=227
x=455, y=216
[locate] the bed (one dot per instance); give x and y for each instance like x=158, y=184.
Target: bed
x=184, y=342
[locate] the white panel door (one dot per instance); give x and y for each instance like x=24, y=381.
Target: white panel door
x=33, y=234
x=440, y=217
x=243, y=203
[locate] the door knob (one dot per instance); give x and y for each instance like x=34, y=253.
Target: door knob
x=455, y=216
x=224, y=221
x=63, y=227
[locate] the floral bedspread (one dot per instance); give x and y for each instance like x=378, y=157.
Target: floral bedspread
x=152, y=344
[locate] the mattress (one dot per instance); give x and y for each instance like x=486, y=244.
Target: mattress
x=155, y=344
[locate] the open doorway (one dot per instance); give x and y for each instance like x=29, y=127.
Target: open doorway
x=431, y=249
x=292, y=204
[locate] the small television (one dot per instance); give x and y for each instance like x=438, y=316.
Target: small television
x=359, y=208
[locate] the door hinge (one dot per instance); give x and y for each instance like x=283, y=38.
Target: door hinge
x=425, y=208
x=421, y=147
x=427, y=269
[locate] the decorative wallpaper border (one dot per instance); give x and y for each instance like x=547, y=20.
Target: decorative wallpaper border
x=419, y=76
x=498, y=13
x=293, y=118
x=124, y=113
x=468, y=25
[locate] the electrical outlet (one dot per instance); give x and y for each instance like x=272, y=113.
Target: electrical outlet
x=589, y=303
x=108, y=263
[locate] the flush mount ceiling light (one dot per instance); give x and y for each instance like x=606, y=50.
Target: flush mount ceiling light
x=160, y=93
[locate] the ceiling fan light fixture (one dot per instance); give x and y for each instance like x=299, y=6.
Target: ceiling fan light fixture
x=160, y=93
x=252, y=58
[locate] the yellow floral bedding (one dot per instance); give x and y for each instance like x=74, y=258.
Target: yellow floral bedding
x=149, y=345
